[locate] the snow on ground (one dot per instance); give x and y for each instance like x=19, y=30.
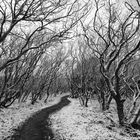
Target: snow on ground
x=16, y=114
x=75, y=122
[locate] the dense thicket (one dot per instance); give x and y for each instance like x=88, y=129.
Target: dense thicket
x=49, y=47
x=31, y=41
x=113, y=38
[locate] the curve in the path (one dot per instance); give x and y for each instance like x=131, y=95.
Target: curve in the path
x=37, y=126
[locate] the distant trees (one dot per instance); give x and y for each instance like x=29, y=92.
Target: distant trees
x=81, y=73
x=27, y=29
x=102, y=93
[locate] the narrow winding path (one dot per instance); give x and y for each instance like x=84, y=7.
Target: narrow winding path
x=37, y=126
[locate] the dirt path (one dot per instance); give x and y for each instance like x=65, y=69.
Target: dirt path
x=37, y=126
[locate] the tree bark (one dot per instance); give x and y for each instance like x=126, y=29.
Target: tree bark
x=120, y=111
x=81, y=99
x=108, y=102
x=135, y=118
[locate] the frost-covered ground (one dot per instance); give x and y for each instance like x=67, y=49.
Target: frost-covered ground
x=15, y=115
x=74, y=122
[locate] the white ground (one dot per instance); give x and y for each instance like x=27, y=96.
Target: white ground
x=15, y=115
x=79, y=123
x=71, y=123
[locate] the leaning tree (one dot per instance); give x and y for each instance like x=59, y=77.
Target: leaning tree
x=114, y=39
x=27, y=29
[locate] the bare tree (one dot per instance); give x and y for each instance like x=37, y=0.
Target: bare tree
x=117, y=43
x=131, y=80
x=82, y=74
x=27, y=29
x=41, y=15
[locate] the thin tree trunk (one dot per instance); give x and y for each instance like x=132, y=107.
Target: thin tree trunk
x=81, y=100
x=86, y=102
x=134, y=120
x=108, y=102
x=103, y=101
x=120, y=111
x=45, y=101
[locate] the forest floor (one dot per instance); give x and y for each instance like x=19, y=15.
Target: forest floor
x=14, y=116
x=72, y=122
x=75, y=122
